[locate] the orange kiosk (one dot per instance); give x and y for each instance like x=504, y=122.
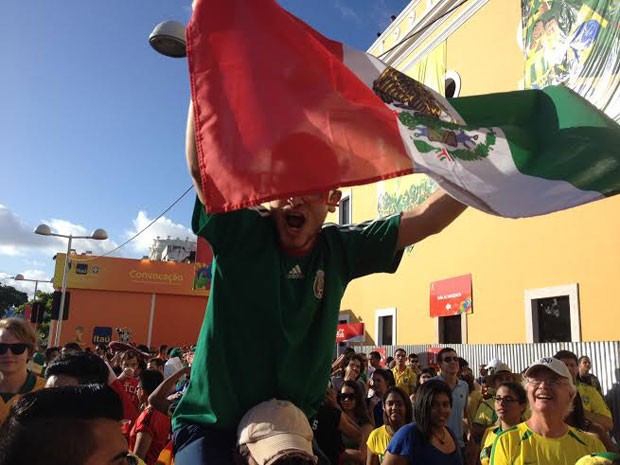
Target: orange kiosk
x=148, y=302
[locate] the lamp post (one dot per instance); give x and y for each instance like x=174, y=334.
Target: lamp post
x=44, y=230
x=168, y=38
x=20, y=277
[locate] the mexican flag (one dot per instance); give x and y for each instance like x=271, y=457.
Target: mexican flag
x=281, y=111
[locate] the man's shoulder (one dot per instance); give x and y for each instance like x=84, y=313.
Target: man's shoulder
x=519, y=432
x=586, y=388
x=589, y=393
x=583, y=438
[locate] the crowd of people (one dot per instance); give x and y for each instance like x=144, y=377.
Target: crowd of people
x=113, y=404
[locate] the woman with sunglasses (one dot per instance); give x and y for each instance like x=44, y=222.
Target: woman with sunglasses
x=397, y=412
x=510, y=405
x=351, y=401
x=428, y=440
x=17, y=344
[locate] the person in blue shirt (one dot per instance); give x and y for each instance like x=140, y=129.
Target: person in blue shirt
x=429, y=440
x=449, y=365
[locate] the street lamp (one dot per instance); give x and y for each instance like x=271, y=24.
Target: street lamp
x=44, y=230
x=20, y=277
x=168, y=38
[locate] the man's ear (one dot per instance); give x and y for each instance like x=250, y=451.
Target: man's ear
x=333, y=200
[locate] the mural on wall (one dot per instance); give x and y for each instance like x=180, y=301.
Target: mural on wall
x=575, y=43
x=403, y=193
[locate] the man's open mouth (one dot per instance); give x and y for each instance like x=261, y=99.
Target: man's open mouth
x=294, y=219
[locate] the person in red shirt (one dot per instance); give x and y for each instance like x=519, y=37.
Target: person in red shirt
x=132, y=365
x=151, y=432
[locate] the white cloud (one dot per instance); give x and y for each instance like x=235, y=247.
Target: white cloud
x=347, y=12
x=28, y=286
x=163, y=228
x=17, y=237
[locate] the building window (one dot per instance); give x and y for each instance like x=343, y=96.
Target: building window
x=344, y=317
x=450, y=331
x=385, y=327
x=552, y=314
x=411, y=18
x=344, y=211
x=453, y=84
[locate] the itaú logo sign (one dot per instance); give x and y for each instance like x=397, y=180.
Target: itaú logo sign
x=170, y=278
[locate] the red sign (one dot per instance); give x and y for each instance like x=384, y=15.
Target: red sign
x=383, y=354
x=350, y=332
x=27, y=312
x=432, y=354
x=451, y=296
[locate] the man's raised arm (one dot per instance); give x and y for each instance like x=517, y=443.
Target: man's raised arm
x=429, y=218
x=192, y=155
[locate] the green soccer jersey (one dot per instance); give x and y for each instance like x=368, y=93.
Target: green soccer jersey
x=270, y=325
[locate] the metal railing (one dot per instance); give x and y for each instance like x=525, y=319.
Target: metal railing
x=605, y=355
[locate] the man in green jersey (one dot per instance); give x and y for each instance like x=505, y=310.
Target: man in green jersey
x=279, y=275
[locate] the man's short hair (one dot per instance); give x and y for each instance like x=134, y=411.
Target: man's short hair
x=158, y=362
x=443, y=351
x=566, y=354
x=150, y=379
x=49, y=352
x=400, y=349
x=59, y=421
x=71, y=347
x=85, y=367
x=375, y=355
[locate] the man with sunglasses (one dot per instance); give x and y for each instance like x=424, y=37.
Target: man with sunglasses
x=449, y=365
x=279, y=275
x=17, y=343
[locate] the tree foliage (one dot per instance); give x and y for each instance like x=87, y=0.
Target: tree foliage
x=11, y=297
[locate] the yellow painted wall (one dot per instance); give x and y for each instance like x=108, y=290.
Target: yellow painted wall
x=485, y=51
x=505, y=257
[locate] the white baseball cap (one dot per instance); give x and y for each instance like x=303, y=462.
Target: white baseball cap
x=274, y=429
x=553, y=364
x=496, y=365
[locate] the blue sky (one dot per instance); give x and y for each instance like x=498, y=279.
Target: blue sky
x=93, y=120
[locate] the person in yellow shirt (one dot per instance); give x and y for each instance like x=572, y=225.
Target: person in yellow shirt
x=397, y=411
x=545, y=439
x=404, y=376
x=18, y=342
x=510, y=403
x=594, y=406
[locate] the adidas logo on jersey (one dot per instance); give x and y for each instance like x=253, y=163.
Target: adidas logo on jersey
x=295, y=273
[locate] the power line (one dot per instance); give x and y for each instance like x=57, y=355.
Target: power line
x=423, y=29
x=143, y=229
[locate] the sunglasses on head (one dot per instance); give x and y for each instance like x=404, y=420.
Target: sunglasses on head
x=17, y=348
x=346, y=396
x=450, y=359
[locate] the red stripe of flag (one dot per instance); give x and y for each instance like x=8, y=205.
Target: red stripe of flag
x=277, y=112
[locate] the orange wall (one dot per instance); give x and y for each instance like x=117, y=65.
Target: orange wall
x=177, y=319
